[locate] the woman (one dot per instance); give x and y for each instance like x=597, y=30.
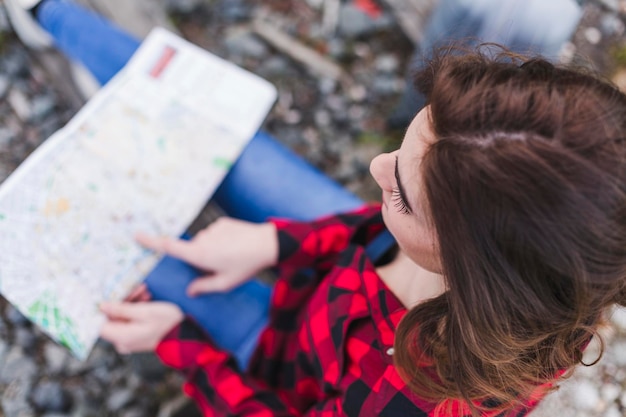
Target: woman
x=507, y=200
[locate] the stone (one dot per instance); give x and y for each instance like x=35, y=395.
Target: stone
x=181, y=6
x=611, y=25
x=386, y=64
x=618, y=352
x=354, y=22
x=274, y=65
x=593, y=35
x=42, y=106
x=25, y=338
x=15, y=317
x=336, y=48
x=610, y=392
x=4, y=350
x=56, y=357
x=50, y=396
x=322, y=118
x=618, y=318
x=119, y=399
x=20, y=104
x=585, y=395
x=7, y=135
x=384, y=85
x=234, y=10
x=5, y=26
x=17, y=366
x=15, y=399
x=15, y=62
x=326, y=85
x=5, y=83
x=357, y=93
x=613, y=411
x=246, y=44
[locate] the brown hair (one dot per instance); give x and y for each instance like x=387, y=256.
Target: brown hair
x=526, y=185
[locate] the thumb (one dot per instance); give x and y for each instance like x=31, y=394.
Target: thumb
x=210, y=283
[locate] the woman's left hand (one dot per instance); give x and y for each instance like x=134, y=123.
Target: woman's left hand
x=140, y=326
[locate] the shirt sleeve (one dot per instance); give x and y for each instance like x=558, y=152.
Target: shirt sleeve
x=219, y=388
x=304, y=244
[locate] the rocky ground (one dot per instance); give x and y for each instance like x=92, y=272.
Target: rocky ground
x=337, y=124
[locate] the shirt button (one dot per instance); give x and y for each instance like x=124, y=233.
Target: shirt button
x=390, y=351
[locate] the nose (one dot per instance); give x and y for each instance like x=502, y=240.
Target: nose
x=382, y=170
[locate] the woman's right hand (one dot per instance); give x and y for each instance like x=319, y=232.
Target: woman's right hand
x=231, y=251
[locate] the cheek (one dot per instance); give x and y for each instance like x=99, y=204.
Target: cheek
x=419, y=245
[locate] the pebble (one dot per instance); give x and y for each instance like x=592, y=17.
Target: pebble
x=50, y=396
x=611, y=25
x=327, y=86
x=234, y=10
x=386, y=64
x=586, y=396
x=618, y=353
x=610, y=392
x=119, y=399
x=613, y=411
x=357, y=93
x=25, y=338
x=56, y=357
x=5, y=83
x=385, y=86
x=245, y=44
x=593, y=35
x=618, y=318
x=17, y=366
x=354, y=22
x=15, y=317
x=181, y=6
x=6, y=136
x=5, y=26
x=20, y=104
x=15, y=401
x=15, y=62
x=42, y=106
x=4, y=350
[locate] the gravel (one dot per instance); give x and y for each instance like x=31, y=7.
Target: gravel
x=318, y=118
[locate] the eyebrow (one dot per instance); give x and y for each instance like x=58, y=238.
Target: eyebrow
x=401, y=188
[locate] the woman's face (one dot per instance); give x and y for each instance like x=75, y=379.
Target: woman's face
x=404, y=207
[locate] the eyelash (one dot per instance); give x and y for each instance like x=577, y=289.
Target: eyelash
x=398, y=202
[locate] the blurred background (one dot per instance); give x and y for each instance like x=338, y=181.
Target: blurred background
x=340, y=69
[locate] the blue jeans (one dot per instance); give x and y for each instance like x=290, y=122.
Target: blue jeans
x=529, y=27
x=267, y=180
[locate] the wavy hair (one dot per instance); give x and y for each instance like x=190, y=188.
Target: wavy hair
x=526, y=186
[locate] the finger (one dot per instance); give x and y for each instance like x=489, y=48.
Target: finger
x=121, y=311
x=181, y=249
x=138, y=294
x=207, y=284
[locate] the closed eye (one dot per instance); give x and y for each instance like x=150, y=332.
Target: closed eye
x=399, y=202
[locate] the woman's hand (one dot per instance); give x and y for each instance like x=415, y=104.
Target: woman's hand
x=140, y=326
x=230, y=251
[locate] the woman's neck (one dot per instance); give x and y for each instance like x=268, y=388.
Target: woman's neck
x=409, y=282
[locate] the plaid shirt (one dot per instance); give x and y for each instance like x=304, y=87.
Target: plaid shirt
x=327, y=350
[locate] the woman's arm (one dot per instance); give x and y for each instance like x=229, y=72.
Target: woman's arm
x=230, y=251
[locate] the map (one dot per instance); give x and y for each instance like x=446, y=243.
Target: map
x=145, y=154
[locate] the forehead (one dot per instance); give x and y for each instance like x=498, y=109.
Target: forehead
x=417, y=138
x=415, y=143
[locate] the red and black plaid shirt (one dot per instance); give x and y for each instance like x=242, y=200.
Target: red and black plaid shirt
x=327, y=350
